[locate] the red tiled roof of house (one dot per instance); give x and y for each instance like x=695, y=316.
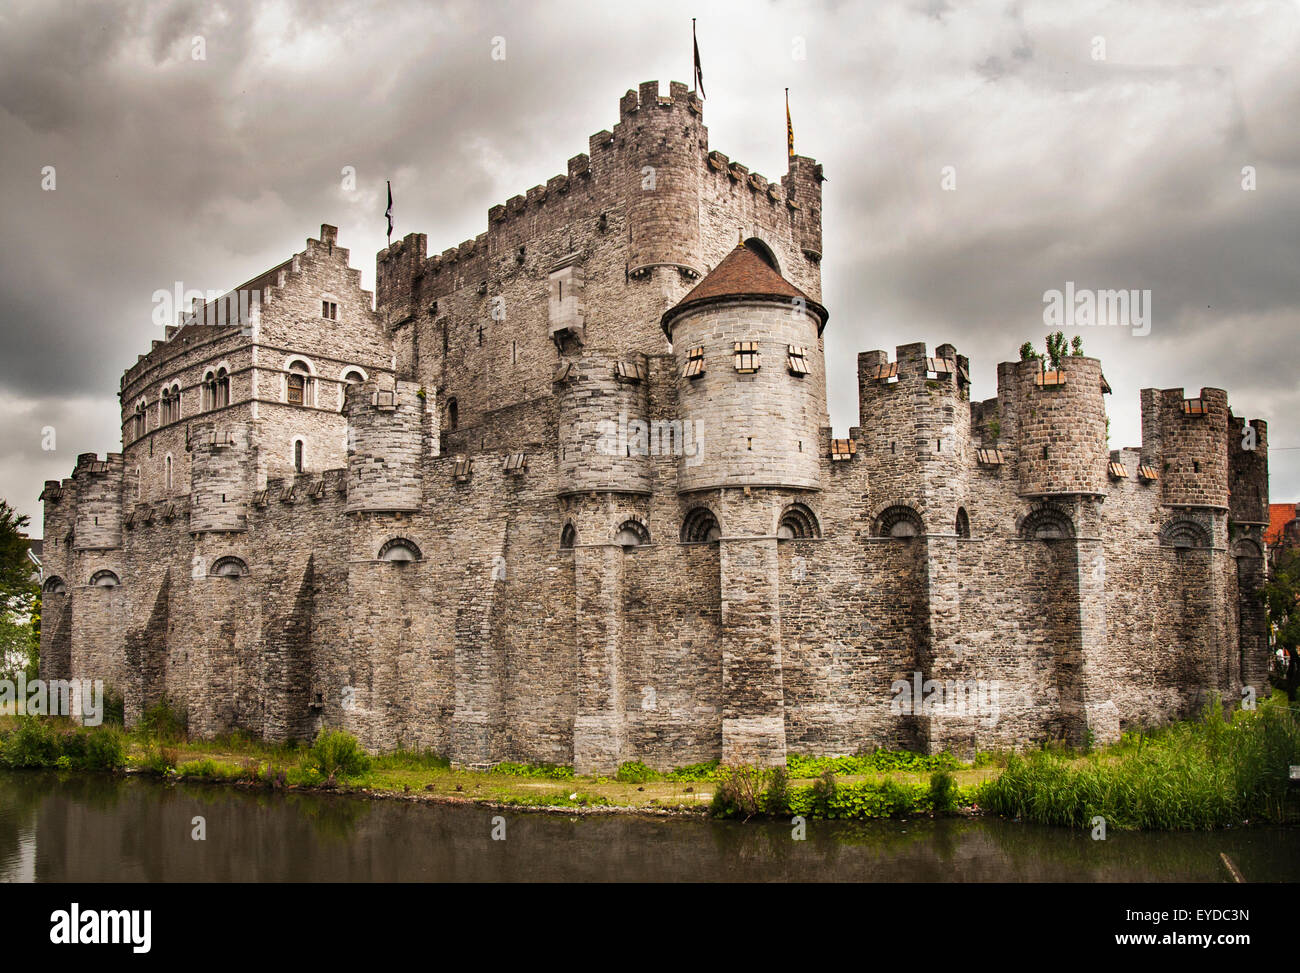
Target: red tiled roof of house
x=1279, y=515
x=743, y=274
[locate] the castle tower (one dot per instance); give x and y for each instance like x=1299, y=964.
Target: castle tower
x=386, y=430
x=1057, y=420
x=914, y=415
x=662, y=195
x=751, y=381
x=222, y=470
x=98, y=520
x=1186, y=441
x=751, y=386
x=604, y=437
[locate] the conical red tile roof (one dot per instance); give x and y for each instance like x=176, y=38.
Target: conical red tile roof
x=742, y=275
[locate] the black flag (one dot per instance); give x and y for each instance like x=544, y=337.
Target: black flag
x=389, y=212
x=699, y=73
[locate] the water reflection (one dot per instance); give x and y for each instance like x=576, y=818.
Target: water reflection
x=80, y=828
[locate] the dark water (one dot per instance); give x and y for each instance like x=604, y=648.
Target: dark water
x=74, y=828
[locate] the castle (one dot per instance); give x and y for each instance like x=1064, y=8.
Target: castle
x=569, y=493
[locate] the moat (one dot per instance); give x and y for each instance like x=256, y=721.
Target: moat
x=100, y=828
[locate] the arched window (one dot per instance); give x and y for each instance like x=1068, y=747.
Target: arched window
x=54, y=586
x=899, y=521
x=104, y=579
x=399, y=550
x=228, y=567
x=139, y=423
x=352, y=376
x=297, y=455
x=1182, y=532
x=568, y=537
x=167, y=472
x=1045, y=523
x=632, y=533
x=209, y=392
x=700, y=525
x=298, y=388
x=797, y=522
x=222, y=393
x=763, y=252
x=453, y=413
x=963, y=523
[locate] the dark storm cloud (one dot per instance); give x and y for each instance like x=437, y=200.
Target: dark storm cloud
x=1116, y=172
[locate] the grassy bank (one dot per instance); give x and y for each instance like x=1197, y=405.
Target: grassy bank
x=1203, y=774
x=1187, y=776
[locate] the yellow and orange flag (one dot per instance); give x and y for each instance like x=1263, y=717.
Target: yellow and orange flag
x=789, y=125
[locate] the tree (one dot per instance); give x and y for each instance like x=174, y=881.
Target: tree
x=1281, y=595
x=1057, y=350
x=19, y=596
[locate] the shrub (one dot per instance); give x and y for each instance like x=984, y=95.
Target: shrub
x=692, y=773
x=740, y=792
x=32, y=744
x=943, y=792
x=206, y=769
x=105, y=749
x=163, y=722
x=544, y=771
x=776, y=800
x=877, y=761
x=114, y=707
x=635, y=772
x=337, y=754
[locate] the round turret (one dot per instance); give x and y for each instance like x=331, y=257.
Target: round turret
x=1190, y=448
x=1062, y=428
x=385, y=436
x=221, y=475
x=751, y=379
x=663, y=137
x=605, y=440
x=98, y=523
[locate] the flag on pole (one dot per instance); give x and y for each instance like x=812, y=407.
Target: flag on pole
x=389, y=212
x=699, y=73
x=789, y=125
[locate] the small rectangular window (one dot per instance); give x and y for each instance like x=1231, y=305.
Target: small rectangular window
x=330, y=310
x=694, y=366
x=843, y=449
x=630, y=371
x=747, y=359
x=798, y=360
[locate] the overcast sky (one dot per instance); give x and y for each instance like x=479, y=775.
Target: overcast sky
x=1094, y=143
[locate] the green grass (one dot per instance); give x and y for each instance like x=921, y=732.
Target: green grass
x=1188, y=776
